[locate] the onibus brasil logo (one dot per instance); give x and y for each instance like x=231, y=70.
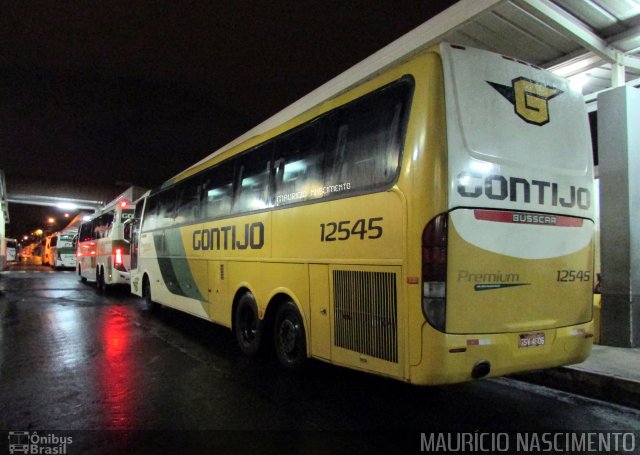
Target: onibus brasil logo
x=34, y=443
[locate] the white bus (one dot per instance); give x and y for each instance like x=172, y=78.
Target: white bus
x=59, y=251
x=8, y=248
x=103, y=249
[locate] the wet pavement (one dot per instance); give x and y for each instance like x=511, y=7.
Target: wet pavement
x=117, y=378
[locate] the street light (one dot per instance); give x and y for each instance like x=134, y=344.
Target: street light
x=67, y=206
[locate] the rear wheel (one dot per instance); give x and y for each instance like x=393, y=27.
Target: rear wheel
x=100, y=284
x=289, y=337
x=82, y=278
x=248, y=326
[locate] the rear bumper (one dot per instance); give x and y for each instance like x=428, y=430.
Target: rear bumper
x=118, y=277
x=66, y=262
x=439, y=365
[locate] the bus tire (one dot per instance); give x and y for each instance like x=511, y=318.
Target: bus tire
x=248, y=327
x=289, y=337
x=146, y=295
x=101, y=284
x=82, y=278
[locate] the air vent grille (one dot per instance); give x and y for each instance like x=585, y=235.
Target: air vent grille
x=365, y=313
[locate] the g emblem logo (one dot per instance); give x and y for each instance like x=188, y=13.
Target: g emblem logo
x=530, y=99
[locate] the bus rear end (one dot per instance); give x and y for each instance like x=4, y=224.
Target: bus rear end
x=63, y=255
x=508, y=269
x=103, y=250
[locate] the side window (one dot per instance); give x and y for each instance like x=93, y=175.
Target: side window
x=102, y=226
x=298, y=165
x=65, y=241
x=188, y=210
x=366, y=139
x=151, y=213
x=254, y=171
x=86, y=232
x=98, y=228
x=218, y=190
x=54, y=242
x=167, y=206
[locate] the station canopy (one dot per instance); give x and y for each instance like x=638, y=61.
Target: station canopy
x=593, y=43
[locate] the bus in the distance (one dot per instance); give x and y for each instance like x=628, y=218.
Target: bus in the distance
x=59, y=250
x=432, y=224
x=8, y=252
x=103, y=251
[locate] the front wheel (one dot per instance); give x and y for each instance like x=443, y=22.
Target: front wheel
x=289, y=337
x=82, y=278
x=146, y=295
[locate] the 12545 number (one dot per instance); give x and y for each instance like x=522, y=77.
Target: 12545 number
x=343, y=230
x=569, y=276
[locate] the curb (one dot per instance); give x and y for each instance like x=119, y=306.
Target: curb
x=592, y=384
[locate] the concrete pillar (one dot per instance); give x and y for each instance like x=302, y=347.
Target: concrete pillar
x=619, y=166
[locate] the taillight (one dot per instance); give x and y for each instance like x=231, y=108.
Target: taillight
x=434, y=271
x=118, y=260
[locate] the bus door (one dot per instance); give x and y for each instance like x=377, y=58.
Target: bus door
x=217, y=291
x=134, y=233
x=319, y=316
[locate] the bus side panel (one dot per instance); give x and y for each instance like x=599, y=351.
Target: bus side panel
x=319, y=319
x=165, y=271
x=265, y=281
x=86, y=261
x=363, y=230
x=146, y=251
x=218, y=294
x=103, y=257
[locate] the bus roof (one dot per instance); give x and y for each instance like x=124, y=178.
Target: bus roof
x=130, y=195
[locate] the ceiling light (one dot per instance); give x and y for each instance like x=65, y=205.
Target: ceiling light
x=66, y=206
x=578, y=81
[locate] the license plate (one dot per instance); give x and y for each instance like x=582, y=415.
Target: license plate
x=528, y=340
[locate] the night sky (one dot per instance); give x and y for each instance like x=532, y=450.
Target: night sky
x=135, y=92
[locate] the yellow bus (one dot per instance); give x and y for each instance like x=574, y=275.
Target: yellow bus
x=432, y=224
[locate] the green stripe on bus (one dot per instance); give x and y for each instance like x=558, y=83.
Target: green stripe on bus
x=174, y=267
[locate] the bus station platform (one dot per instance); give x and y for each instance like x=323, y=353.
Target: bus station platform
x=609, y=373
